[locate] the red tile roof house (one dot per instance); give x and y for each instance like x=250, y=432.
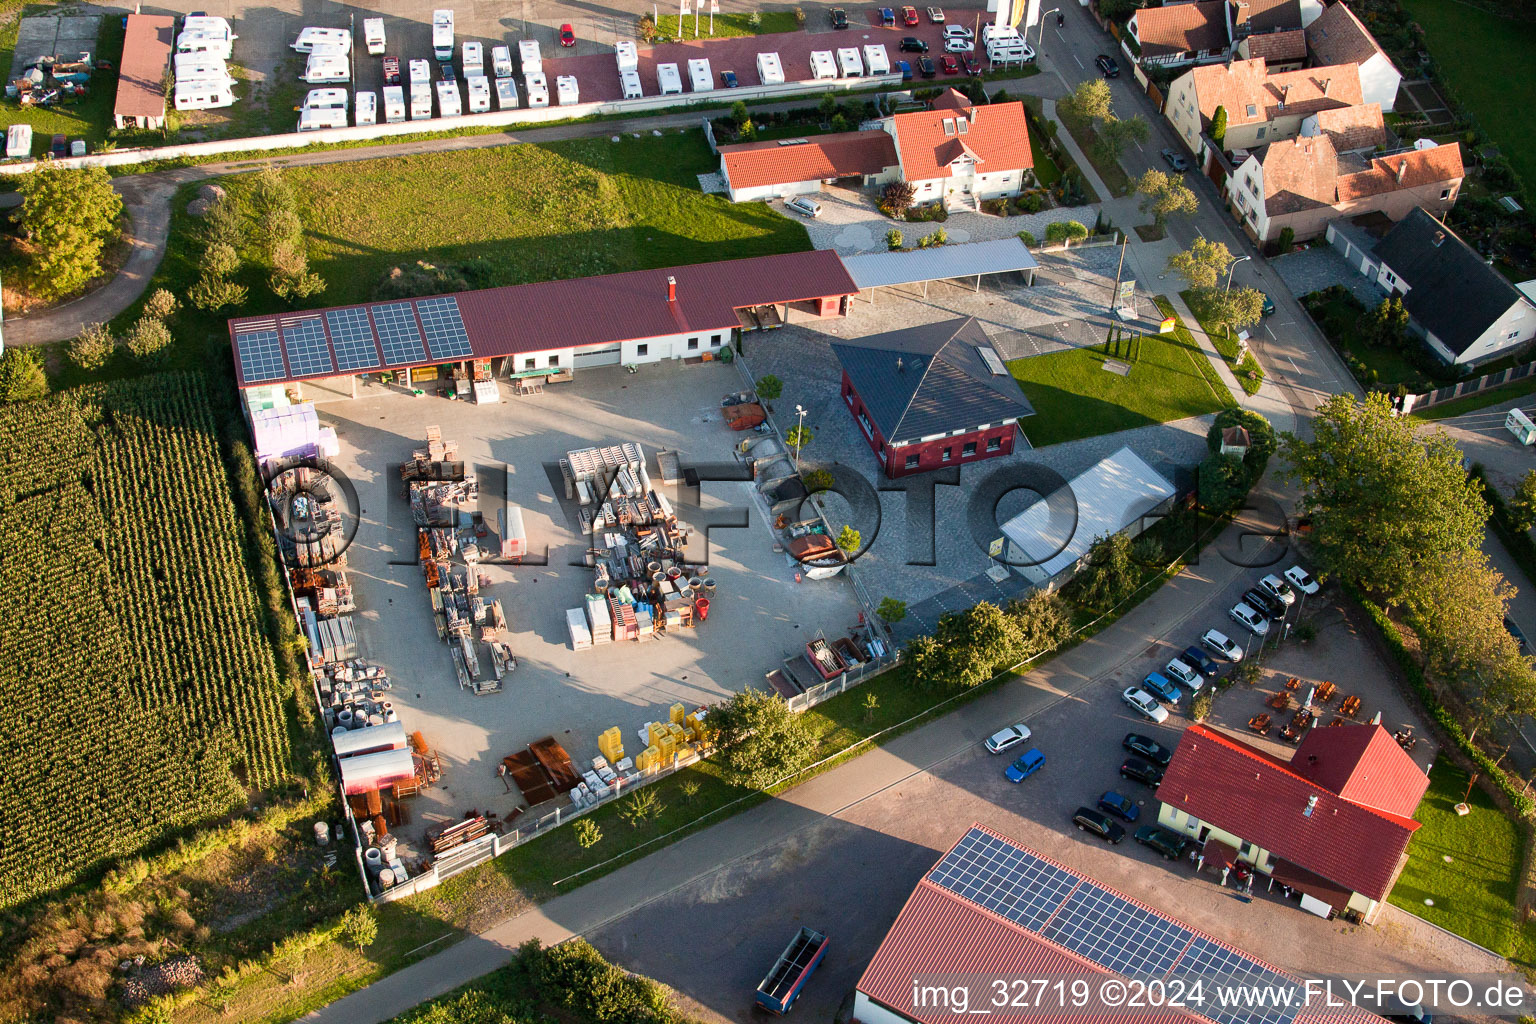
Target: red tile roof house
x=1209, y=31
x=1332, y=823
x=957, y=152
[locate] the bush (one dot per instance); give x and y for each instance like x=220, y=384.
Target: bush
x=891, y=611
x=1200, y=704
x=93, y=348
x=21, y=375
x=761, y=740
x=817, y=480
x=1030, y=202
x=894, y=240
x=148, y=338
x=161, y=304
x=1028, y=239
x=213, y=293
x=1065, y=231
x=769, y=387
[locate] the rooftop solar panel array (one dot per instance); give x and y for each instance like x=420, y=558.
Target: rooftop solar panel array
x=1004, y=879
x=398, y=335
x=308, y=354
x=352, y=339
x=1216, y=963
x=261, y=356
x=1128, y=939
x=445, y=328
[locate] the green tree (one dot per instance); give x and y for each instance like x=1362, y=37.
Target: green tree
x=92, y=349
x=1385, y=326
x=828, y=105
x=21, y=376
x=1200, y=704
x=1221, y=483
x=1287, y=240
x=643, y=807
x=798, y=437
x=1113, y=134
x=1065, y=231
x=739, y=115
x=894, y=240
x=769, y=387
x=1044, y=622
x=1386, y=502
x=1165, y=195
x=587, y=833
x=1120, y=10
x=213, y=293
x=219, y=260
x=1110, y=575
x=147, y=338
x=980, y=640
x=1457, y=607
x=69, y=216
x=1088, y=103
x=161, y=304
x=1522, y=504
x=817, y=480
x=761, y=740
x=360, y=926
x=891, y=611
x=690, y=789
x=871, y=705
x=1203, y=263
x=1231, y=309
x=849, y=540
x=1218, y=130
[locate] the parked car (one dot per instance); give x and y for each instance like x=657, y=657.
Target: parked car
x=958, y=46
x=912, y=44
x=887, y=18
x=1026, y=765
x=1301, y=580
x=1277, y=588
x=1268, y=308
x=936, y=15
x=1161, y=687
x=728, y=79
x=1107, y=66
x=950, y=65
x=906, y=70
x=1175, y=160
x=1006, y=739
x=909, y=15
x=1088, y=820
x=1258, y=600
x=1216, y=640
x=1201, y=662
x=1144, y=772
x=840, y=17
x=59, y=148
x=1119, y=805
x=1142, y=701
x=800, y=204
x=1170, y=844
x=1147, y=748
x=926, y=67
x=567, y=35
x=1185, y=673
x=972, y=65
x=958, y=32
x=1245, y=616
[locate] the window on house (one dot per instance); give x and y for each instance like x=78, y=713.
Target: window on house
x=528, y=364
x=714, y=341
x=864, y=423
x=1262, y=130
x=969, y=448
x=949, y=126
x=1247, y=849
x=554, y=360
x=994, y=444
x=962, y=126
x=642, y=350
x=1446, y=194
x=693, y=343
x=912, y=461
x=1253, y=111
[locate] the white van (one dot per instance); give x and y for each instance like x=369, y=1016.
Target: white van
x=1010, y=51
x=373, y=35
x=876, y=60
x=770, y=71
x=699, y=75
x=501, y=62
x=420, y=71
x=474, y=59
x=850, y=64
x=506, y=94
x=327, y=40
x=394, y=104
x=18, y=142
x=448, y=102
x=479, y=89
x=421, y=100
x=627, y=55
x=629, y=81
x=538, y=89
x=326, y=117
x=367, y=111
x=205, y=70
x=442, y=34
x=328, y=99
x=566, y=90
x=327, y=67
x=668, y=79
x=528, y=56
x=220, y=45
x=203, y=95
x=822, y=64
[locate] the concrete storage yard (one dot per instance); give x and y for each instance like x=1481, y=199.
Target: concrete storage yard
x=758, y=616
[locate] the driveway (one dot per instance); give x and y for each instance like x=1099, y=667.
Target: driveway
x=1322, y=266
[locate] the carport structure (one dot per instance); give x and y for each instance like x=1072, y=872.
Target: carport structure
x=874, y=271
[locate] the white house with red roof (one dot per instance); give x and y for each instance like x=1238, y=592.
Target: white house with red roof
x=1333, y=822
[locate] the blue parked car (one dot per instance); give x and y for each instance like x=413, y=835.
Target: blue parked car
x=1200, y=662
x=1027, y=764
x=906, y=70
x=1120, y=806
x=1159, y=686
x=728, y=79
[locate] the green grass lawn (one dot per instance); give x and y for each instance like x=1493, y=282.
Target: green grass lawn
x=1481, y=400
x=1111, y=172
x=90, y=117
x=1469, y=46
x=1474, y=890
x=1075, y=396
x=1046, y=171
x=737, y=24
x=1338, y=319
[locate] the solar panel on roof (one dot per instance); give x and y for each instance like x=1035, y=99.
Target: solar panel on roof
x=1218, y=965
x=308, y=354
x=261, y=356
x=398, y=336
x=1117, y=934
x=352, y=339
x=446, y=336
x=994, y=363
x=1004, y=879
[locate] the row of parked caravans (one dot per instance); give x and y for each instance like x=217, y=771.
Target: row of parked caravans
x=202, y=79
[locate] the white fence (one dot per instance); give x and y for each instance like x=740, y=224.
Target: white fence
x=529, y=116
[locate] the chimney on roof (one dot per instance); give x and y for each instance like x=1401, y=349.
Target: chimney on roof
x=899, y=366
x=1402, y=170
x=671, y=288
x=1439, y=237
x=1311, y=806
x=970, y=114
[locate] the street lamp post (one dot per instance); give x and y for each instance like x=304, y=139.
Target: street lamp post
x=1040, y=36
x=799, y=432
x=1232, y=268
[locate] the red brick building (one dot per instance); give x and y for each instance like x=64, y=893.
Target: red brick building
x=931, y=396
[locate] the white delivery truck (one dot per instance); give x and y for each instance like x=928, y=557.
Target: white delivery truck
x=501, y=62
x=327, y=67
x=442, y=34
x=566, y=90
x=876, y=60
x=420, y=71
x=770, y=71
x=528, y=57
x=538, y=89
x=822, y=64
x=373, y=35
x=849, y=63
x=326, y=117
x=203, y=95
x=220, y=45
x=474, y=58
x=448, y=102
x=327, y=99
x=367, y=109
x=394, y=104
x=506, y=94
x=479, y=89
x=331, y=40
x=627, y=55
x=668, y=79
x=421, y=101
x=208, y=69
x=18, y=142
x=629, y=81
x=699, y=76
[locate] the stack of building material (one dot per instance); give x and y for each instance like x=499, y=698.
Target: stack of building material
x=287, y=431
x=599, y=620
x=576, y=624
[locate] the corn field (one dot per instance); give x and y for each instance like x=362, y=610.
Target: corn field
x=138, y=693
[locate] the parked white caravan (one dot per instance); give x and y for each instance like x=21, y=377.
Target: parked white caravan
x=367, y=110
x=207, y=23
x=629, y=81
x=442, y=35
x=479, y=89
x=627, y=55
x=850, y=64
x=566, y=90
x=220, y=45
x=207, y=69
x=506, y=94
x=668, y=79
x=538, y=89
x=373, y=35
x=474, y=59
x=394, y=104
x=420, y=71
x=203, y=95
x=326, y=40
x=769, y=69
x=448, y=102
x=528, y=57
x=699, y=75
x=326, y=117
x=421, y=100
x=328, y=99
x=18, y=142
x=876, y=60
x=822, y=64
x=501, y=62
x=327, y=67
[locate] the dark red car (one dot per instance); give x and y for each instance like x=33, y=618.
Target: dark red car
x=567, y=36
x=950, y=63
x=909, y=15
x=972, y=66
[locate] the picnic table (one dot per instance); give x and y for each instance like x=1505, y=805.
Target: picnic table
x=1280, y=701
x=1350, y=707
x=1293, y=683
x=1325, y=692
x=1336, y=721
x=1259, y=723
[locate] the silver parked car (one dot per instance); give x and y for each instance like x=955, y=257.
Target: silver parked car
x=1255, y=622
x=1007, y=739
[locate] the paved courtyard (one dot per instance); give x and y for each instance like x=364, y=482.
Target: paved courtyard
x=851, y=224
x=1322, y=266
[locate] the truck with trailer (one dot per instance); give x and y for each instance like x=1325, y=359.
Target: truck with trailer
x=501, y=62
x=669, y=80
x=373, y=35
x=700, y=76
x=394, y=104
x=442, y=34
x=770, y=70
x=782, y=986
